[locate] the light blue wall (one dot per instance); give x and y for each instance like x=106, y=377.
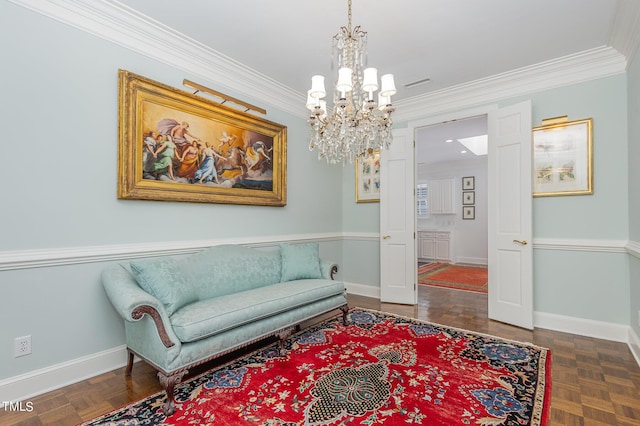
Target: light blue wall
x=59, y=98
x=590, y=285
x=361, y=256
x=633, y=82
x=602, y=215
x=59, y=109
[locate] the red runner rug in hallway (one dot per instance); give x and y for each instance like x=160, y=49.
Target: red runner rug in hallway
x=468, y=278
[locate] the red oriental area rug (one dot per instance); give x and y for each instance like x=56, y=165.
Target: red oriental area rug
x=379, y=369
x=468, y=278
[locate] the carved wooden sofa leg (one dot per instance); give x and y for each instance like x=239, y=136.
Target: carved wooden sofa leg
x=169, y=383
x=283, y=335
x=345, y=311
x=127, y=372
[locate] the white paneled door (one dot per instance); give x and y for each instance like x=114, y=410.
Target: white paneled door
x=398, y=266
x=510, y=217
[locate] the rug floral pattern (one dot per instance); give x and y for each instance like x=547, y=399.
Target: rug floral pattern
x=380, y=369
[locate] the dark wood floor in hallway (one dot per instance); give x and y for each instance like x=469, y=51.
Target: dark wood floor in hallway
x=594, y=382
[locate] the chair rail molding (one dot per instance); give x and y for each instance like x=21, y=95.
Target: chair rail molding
x=38, y=258
x=24, y=259
x=633, y=248
x=570, y=244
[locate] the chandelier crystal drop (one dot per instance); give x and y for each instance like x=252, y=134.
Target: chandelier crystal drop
x=359, y=125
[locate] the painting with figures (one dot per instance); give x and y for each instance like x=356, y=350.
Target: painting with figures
x=179, y=147
x=175, y=146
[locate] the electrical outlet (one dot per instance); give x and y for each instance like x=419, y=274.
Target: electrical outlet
x=22, y=346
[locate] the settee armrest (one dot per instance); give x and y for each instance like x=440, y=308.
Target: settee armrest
x=132, y=302
x=328, y=269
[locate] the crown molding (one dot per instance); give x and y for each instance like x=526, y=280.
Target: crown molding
x=115, y=22
x=580, y=67
x=625, y=31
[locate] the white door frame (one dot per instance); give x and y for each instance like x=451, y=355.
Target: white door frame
x=458, y=115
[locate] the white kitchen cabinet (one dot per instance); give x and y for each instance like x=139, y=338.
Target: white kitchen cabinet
x=442, y=196
x=426, y=245
x=434, y=246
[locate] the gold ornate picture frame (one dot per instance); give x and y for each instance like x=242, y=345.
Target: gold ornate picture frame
x=562, y=157
x=368, y=178
x=176, y=146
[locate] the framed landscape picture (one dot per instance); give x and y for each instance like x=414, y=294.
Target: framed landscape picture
x=176, y=146
x=368, y=178
x=562, y=158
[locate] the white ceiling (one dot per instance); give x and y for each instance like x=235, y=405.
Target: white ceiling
x=451, y=42
x=432, y=146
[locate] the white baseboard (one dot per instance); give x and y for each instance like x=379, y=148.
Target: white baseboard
x=582, y=327
x=472, y=260
x=363, y=290
x=25, y=386
x=634, y=345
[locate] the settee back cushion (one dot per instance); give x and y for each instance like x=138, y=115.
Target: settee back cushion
x=161, y=277
x=227, y=269
x=300, y=261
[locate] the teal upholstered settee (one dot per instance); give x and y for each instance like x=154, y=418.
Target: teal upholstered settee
x=180, y=313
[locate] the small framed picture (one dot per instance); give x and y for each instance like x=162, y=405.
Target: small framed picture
x=368, y=178
x=468, y=183
x=469, y=213
x=468, y=198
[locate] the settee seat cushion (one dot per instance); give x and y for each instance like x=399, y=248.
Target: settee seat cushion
x=219, y=314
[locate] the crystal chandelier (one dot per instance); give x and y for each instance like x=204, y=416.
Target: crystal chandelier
x=358, y=125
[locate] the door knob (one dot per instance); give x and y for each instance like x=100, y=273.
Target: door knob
x=523, y=242
x=385, y=237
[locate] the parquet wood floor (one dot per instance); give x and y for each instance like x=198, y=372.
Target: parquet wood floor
x=594, y=382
